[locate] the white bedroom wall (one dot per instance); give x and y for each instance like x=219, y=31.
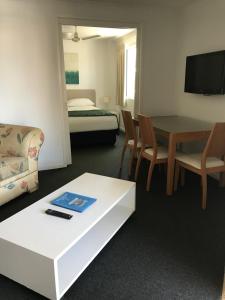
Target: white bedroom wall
x=97, y=67
x=30, y=80
x=203, y=31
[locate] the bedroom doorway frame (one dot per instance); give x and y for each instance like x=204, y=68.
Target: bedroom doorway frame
x=95, y=23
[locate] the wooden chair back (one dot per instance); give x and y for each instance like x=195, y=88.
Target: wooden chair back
x=215, y=145
x=147, y=132
x=130, y=130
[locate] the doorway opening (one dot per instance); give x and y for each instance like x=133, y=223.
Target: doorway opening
x=92, y=61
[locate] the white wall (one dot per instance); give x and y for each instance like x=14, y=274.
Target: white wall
x=203, y=25
x=29, y=66
x=29, y=85
x=97, y=67
x=161, y=38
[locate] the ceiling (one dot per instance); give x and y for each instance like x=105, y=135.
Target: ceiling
x=172, y=3
x=84, y=31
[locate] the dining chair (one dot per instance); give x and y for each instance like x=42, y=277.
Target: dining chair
x=149, y=148
x=211, y=160
x=131, y=140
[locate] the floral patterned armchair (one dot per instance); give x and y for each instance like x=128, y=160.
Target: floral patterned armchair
x=19, y=150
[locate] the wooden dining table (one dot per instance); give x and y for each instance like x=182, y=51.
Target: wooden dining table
x=178, y=129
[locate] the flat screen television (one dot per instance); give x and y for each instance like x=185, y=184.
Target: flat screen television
x=205, y=73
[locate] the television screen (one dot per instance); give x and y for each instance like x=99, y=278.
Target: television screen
x=205, y=73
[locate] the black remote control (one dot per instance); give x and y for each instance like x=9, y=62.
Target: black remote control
x=59, y=214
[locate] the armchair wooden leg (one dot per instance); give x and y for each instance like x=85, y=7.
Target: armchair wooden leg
x=138, y=166
x=150, y=171
x=176, y=176
x=204, y=190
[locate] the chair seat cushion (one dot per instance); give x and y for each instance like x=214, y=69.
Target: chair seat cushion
x=131, y=143
x=194, y=160
x=162, y=152
x=11, y=166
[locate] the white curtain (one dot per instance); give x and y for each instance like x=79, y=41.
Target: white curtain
x=120, y=75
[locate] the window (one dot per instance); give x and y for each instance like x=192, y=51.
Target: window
x=130, y=70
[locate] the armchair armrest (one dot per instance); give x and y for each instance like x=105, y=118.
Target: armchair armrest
x=30, y=147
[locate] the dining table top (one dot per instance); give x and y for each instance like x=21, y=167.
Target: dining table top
x=180, y=124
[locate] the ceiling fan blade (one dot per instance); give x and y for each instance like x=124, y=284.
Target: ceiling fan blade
x=67, y=35
x=90, y=37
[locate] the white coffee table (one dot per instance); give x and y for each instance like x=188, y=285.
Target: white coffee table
x=47, y=254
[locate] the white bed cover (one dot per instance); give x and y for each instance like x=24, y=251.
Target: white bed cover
x=82, y=124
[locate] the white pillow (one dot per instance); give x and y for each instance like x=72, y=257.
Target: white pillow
x=80, y=102
x=75, y=108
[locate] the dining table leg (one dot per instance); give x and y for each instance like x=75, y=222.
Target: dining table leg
x=171, y=163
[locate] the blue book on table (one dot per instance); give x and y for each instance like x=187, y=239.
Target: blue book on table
x=73, y=201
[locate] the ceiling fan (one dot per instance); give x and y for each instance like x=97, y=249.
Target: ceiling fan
x=75, y=37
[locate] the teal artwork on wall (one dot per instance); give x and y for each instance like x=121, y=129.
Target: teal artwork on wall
x=71, y=68
x=72, y=77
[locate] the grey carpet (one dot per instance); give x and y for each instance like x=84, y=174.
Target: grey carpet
x=168, y=249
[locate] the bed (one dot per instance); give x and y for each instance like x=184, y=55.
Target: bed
x=88, y=124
